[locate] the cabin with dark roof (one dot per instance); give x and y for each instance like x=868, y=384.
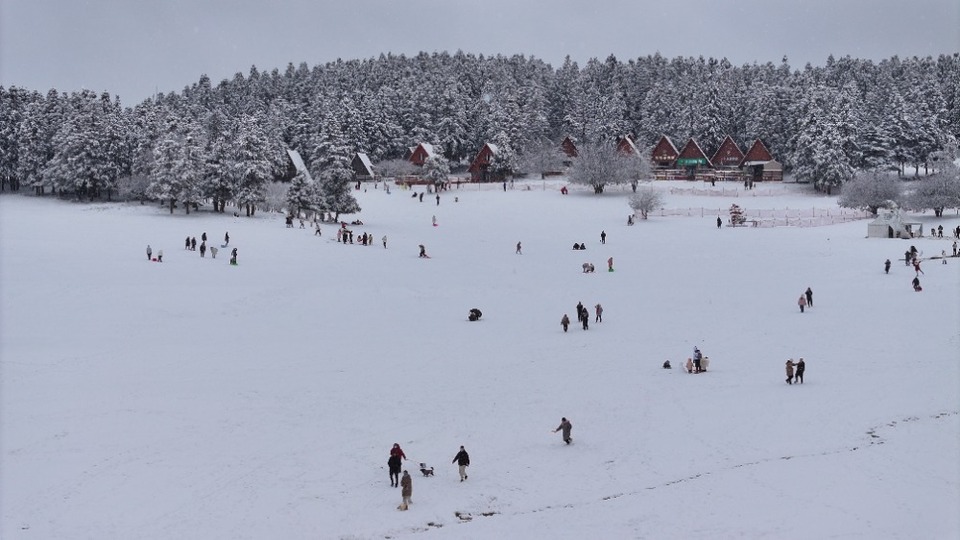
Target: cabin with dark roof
x=759, y=166
x=480, y=166
x=728, y=156
x=626, y=146
x=362, y=168
x=569, y=148
x=664, y=154
x=693, y=159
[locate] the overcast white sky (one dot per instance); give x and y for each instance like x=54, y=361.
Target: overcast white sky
x=133, y=47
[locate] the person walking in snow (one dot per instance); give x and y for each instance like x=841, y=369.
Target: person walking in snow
x=160, y=256
x=226, y=239
x=462, y=459
x=394, y=466
x=802, y=302
x=423, y=252
x=421, y=196
x=697, y=357
x=186, y=243
x=438, y=199
x=519, y=250
x=149, y=252
x=809, y=295
x=384, y=241
x=954, y=248
x=689, y=365
x=193, y=244
x=603, y=237
x=406, y=491
x=580, y=310
x=565, y=322
x=203, y=237
x=434, y=221
x=599, y=309
x=790, y=371
x=719, y=222
x=566, y=427
x=203, y=249
x=585, y=318
x=801, y=367
x=916, y=266
x=213, y=252
x=886, y=266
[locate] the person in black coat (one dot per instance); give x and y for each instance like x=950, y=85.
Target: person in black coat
x=463, y=460
x=801, y=367
x=394, y=465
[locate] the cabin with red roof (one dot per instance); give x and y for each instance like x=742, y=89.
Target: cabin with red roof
x=480, y=167
x=420, y=153
x=759, y=166
x=728, y=155
x=665, y=154
x=693, y=159
x=627, y=147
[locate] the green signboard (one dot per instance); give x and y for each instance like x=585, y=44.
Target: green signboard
x=691, y=161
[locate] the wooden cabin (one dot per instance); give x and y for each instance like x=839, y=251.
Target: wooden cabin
x=480, y=166
x=728, y=156
x=420, y=154
x=626, y=146
x=569, y=148
x=759, y=166
x=693, y=159
x=665, y=154
x=362, y=168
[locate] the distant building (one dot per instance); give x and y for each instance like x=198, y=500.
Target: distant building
x=665, y=154
x=759, y=165
x=480, y=166
x=692, y=159
x=420, y=153
x=728, y=155
x=362, y=168
x=626, y=146
x=569, y=148
x=296, y=161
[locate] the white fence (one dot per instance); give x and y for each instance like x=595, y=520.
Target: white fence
x=774, y=217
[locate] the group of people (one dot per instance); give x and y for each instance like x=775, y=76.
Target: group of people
x=583, y=315
x=697, y=363
x=795, y=375
x=405, y=482
x=190, y=244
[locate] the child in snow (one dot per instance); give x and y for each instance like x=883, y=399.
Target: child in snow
x=565, y=322
x=790, y=371
x=689, y=365
x=566, y=427
x=802, y=302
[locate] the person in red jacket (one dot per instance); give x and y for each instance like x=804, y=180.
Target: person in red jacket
x=396, y=454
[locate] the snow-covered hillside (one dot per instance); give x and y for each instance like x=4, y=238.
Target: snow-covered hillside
x=193, y=399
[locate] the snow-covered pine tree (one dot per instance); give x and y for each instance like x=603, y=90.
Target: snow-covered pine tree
x=437, y=169
x=253, y=169
x=330, y=165
x=941, y=189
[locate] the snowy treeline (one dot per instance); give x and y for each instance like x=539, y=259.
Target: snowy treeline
x=224, y=142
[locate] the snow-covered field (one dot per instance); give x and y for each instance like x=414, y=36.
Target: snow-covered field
x=195, y=400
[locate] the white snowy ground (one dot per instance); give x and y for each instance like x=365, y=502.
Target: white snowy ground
x=195, y=400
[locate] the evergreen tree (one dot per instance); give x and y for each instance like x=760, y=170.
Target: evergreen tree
x=330, y=164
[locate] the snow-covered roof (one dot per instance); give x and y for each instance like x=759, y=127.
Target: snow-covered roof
x=298, y=163
x=366, y=161
x=493, y=148
x=428, y=148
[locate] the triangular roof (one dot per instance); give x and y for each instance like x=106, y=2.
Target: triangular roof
x=728, y=155
x=421, y=153
x=665, y=151
x=569, y=147
x=758, y=153
x=692, y=154
x=364, y=162
x=483, y=156
x=625, y=144
x=298, y=163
